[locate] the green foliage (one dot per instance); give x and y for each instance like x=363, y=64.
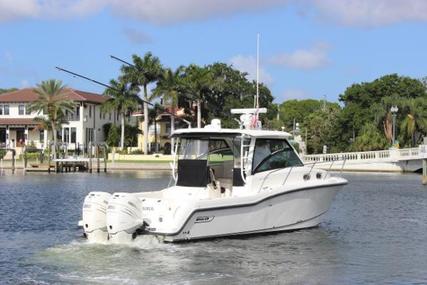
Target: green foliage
x=113, y=138
x=370, y=138
x=320, y=127
x=111, y=132
x=369, y=102
x=219, y=87
x=131, y=135
x=299, y=110
x=7, y=90
x=53, y=103
x=2, y=153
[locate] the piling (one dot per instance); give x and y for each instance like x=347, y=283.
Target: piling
x=13, y=161
x=105, y=158
x=90, y=157
x=98, y=166
x=424, y=179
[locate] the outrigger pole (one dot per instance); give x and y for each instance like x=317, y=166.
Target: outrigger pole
x=108, y=86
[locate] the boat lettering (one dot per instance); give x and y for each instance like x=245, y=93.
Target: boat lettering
x=204, y=219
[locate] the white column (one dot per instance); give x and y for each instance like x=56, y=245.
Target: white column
x=45, y=139
x=26, y=134
x=7, y=136
x=80, y=136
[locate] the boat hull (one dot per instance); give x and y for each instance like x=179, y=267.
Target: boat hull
x=283, y=211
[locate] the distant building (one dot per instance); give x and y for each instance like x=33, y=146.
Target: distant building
x=163, y=130
x=85, y=124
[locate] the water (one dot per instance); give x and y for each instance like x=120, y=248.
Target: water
x=375, y=233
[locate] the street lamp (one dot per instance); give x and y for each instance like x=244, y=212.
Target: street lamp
x=393, y=111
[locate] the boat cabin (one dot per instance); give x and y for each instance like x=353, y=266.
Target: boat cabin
x=225, y=158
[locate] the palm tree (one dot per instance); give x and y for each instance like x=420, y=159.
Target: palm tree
x=198, y=83
x=124, y=99
x=144, y=71
x=415, y=120
x=168, y=88
x=52, y=103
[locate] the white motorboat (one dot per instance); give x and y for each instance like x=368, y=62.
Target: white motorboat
x=226, y=182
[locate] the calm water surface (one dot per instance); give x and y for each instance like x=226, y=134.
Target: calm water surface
x=375, y=233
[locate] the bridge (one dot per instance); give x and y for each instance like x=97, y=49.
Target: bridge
x=390, y=160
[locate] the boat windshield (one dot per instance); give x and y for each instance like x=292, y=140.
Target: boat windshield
x=274, y=154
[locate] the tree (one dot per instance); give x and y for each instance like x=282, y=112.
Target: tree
x=168, y=88
x=320, y=126
x=53, y=103
x=369, y=102
x=370, y=138
x=414, y=122
x=299, y=110
x=113, y=136
x=198, y=83
x=124, y=99
x=144, y=71
x=7, y=90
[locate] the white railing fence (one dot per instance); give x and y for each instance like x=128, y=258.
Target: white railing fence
x=402, y=154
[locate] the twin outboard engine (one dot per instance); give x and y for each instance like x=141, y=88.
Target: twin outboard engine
x=116, y=218
x=124, y=217
x=94, y=216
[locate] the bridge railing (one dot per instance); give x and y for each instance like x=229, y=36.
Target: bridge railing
x=366, y=155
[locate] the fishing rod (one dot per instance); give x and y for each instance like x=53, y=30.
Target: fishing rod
x=111, y=87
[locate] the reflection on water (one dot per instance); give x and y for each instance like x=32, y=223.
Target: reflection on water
x=374, y=233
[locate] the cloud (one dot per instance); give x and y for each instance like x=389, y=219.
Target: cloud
x=167, y=11
x=248, y=64
x=370, y=13
x=306, y=59
x=157, y=12
x=10, y=10
x=294, y=94
x=137, y=36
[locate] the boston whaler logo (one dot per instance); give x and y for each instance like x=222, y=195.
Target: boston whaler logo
x=204, y=219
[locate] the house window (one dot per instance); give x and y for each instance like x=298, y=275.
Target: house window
x=27, y=110
x=6, y=109
x=100, y=114
x=66, y=135
x=41, y=136
x=90, y=111
x=73, y=135
x=78, y=111
x=21, y=109
x=59, y=135
x=1, y=109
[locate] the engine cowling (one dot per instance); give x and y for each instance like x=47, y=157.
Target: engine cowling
x=94, y=216
x=124, y=217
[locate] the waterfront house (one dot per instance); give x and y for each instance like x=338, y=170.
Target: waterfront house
x=18, y=127
x=163, y=130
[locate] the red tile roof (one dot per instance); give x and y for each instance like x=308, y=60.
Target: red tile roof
x=28, y=95
x=13, y=121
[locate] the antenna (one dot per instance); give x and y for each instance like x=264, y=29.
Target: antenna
x=256, y=103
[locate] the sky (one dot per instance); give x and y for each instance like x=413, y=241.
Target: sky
x=308, y=48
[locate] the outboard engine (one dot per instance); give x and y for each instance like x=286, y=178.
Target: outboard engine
x=94, y=216
x=124, y=217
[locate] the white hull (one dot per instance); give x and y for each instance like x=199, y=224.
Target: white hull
x=286, y=211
